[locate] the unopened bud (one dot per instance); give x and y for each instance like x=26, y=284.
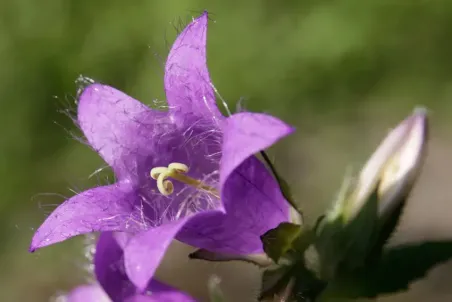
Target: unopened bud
x=393, y=168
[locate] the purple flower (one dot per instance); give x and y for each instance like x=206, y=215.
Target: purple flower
x=159, y=293
x=87, y=293
x=113, y=283
x=223, y=203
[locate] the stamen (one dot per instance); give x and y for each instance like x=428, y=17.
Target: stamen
x=165, y=186
x=177, y=171
x=155, y=172
x=180, y=168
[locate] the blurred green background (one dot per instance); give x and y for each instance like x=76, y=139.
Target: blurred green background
x=342, y=71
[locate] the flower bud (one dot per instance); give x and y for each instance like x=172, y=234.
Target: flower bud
x=393, y=168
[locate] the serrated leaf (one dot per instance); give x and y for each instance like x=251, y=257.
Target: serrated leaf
x=278, y=241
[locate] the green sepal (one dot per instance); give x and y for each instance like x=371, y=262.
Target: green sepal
x=386, y=228
x=286, y=237
x=346, y=245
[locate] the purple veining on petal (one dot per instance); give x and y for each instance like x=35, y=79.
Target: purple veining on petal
x=252, y=199
x=145, y=143
x=245, y=134
x=107, y=208
x=115, y=250
x=109, y=265
x=133, y=139
x=253, y=204
x=144, y=251
x=125, y=132
x=187, y=82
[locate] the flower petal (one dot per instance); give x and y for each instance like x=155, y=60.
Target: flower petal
x=253, y=205
x=143, y=253
x=106, y=208
x=121, y=129
x=245, y=134
x=162, y=293
x=187, y=82
x=87, y=293
x=251, y=197
x=111, y=274
x=109, y=266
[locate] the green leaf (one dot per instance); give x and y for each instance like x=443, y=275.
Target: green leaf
x=402, y=265
x=278, y=241
x=397, y=269
x=345, y=245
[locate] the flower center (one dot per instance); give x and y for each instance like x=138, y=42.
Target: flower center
x=177, y=171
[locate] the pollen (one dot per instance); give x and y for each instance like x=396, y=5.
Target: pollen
x=177, y=171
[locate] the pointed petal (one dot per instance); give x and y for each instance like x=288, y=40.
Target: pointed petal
x=187, y=81
x=111, y=275
x=144, y=252
x=109, y=266
x=252, y=198
x=161, y=292
x=253, y=204
x=107, y=208
x=87, y=293
x=121, y=129
x=246, y=134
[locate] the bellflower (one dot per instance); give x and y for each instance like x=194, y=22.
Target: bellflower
x=113, y=283
x=187, y=173
x=158, y=292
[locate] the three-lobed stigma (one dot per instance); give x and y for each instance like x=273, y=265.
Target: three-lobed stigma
x=177, y=171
